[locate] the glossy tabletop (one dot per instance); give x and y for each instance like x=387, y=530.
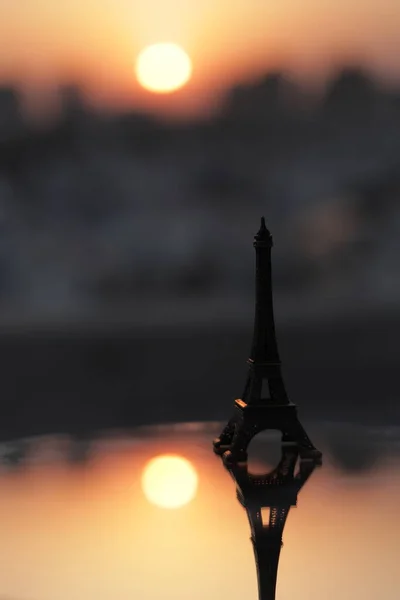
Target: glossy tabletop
x=100, y=522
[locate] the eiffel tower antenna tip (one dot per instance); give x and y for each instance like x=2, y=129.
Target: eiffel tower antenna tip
x=263, y=233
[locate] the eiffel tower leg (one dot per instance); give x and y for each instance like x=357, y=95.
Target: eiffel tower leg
x=294, y=432
x=237, y=453
x=224, y=441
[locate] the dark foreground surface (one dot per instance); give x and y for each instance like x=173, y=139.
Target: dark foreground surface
x=76, y=382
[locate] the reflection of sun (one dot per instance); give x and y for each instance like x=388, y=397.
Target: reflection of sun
x=169, y=481
x=163, y=68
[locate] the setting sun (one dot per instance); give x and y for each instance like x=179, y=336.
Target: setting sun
x=163, y=68
x=169, y=481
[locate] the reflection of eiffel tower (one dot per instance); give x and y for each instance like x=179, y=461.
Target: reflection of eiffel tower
x=260, y=409
x=275, y=493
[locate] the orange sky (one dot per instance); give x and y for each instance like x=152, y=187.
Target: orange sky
x=95, y=41
x=89, y=533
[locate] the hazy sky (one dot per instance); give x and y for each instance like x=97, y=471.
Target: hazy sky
x=96, y=41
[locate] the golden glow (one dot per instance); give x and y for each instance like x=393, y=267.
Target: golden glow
x=89, y=532
x=225, y=40
x=163, y=68
x=169, y=481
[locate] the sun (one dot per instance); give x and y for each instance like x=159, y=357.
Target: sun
x=163, y=68
x=169, y=481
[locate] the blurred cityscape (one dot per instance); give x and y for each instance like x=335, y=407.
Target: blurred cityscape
x=107, y=213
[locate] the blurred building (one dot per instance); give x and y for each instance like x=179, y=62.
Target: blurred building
x=11, y=120
x=103, y=210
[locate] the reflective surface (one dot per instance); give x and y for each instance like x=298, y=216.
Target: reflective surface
x=77, y=524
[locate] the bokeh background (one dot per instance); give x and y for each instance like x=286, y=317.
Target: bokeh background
x=126, y=259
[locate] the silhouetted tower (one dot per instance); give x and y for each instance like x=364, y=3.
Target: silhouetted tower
x=267, y=500
x=265, y=404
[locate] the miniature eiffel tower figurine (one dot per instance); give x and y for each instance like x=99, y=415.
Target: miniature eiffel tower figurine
x=267, y=500
x=254, y=412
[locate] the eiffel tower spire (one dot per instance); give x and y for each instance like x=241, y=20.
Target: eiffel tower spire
x=264, y=361
x=264, y=346
x=264, y=403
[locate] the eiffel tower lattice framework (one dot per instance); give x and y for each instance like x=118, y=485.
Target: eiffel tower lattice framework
x=256, y=412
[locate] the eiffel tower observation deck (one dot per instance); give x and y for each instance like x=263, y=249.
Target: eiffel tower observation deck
x=264, y=403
